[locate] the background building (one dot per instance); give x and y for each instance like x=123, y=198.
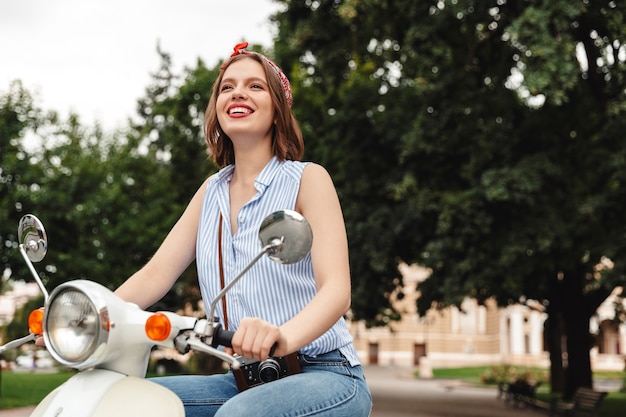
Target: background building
x=477, y=334
x=15, y=298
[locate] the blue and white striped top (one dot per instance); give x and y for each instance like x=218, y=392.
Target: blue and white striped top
x=270, y=291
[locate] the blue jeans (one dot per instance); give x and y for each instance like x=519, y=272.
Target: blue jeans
x=328, y=386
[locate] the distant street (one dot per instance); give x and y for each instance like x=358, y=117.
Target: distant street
x=397, y=394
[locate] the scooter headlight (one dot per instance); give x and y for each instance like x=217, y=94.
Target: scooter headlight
x=75, y=326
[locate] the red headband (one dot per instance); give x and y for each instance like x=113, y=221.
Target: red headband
x=240, y=49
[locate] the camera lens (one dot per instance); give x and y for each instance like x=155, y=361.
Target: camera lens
x=269, y=370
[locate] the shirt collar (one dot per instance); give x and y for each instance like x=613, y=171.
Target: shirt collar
x=268, y=173
x=262, y=180
x=226, y=173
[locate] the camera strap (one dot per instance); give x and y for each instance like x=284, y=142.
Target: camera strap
x=219, y=257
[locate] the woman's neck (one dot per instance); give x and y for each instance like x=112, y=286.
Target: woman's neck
x=248, y=165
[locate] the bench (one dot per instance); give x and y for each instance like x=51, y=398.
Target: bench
x=585, y=402
x=519, y=393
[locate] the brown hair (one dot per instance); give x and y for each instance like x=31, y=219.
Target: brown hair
x=287, y=142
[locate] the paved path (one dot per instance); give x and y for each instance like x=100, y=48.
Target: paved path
x=17, y=412
x=397, y=394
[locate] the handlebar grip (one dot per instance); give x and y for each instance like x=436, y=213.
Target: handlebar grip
x=222, y=337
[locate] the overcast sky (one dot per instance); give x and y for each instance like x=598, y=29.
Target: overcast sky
x=95, y=57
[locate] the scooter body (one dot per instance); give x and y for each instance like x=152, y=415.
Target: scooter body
x=108, y=340
x=87, y=327
x=104, y=393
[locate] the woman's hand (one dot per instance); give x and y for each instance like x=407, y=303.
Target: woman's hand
x=39, y=340
x=255, y=338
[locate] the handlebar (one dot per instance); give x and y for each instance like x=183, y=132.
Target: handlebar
x=19, y=342
x=222, y=337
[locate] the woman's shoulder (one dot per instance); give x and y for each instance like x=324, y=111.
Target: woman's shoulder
x=316, y=180
x=293, y=169
x=305, y=171
x=317, y=191
x=305, y=166
x=313, y=170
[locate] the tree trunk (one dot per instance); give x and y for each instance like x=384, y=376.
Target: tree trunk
x=578, y=371
x=555, y=336
x=577, y=315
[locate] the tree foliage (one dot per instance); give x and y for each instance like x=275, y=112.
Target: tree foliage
x=170, y=125
x=19, y=117
x=479, y=139
x=106, y=200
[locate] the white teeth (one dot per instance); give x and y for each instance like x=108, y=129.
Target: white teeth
x=240, y=110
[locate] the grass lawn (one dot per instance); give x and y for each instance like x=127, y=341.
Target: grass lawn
x=19, y=389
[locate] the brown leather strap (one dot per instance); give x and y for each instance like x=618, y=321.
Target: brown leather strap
x=219, y=257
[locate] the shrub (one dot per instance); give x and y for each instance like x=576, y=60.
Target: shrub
x=506, y=374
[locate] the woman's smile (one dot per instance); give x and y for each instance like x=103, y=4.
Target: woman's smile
x=239, y=110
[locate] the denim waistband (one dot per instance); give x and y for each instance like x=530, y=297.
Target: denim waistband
x=334, y=356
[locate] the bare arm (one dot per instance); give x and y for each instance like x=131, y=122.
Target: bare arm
x=319, y=204
x=178, y=250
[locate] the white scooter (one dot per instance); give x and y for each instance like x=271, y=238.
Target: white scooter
x=87, y=327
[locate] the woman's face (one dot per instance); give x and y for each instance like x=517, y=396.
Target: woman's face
x=244, y=104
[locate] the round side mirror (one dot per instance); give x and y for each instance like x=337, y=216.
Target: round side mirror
x=32, y=236
x=293, y=232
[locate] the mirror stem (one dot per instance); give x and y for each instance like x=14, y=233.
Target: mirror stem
x=34, y=273
x=273, y=246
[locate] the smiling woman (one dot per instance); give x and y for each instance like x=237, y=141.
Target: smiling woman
x=95, y=58
x=280, y=314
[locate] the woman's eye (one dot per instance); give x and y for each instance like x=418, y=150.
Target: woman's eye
x=225, y=87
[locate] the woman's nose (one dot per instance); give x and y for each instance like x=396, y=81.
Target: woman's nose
x=237, y=93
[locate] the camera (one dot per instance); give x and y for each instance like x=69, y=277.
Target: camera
x=252, y=373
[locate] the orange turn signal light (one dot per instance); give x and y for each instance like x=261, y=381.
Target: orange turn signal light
x=35, y=321
x=158, y=327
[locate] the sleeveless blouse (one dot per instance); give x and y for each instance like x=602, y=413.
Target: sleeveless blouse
x=270, y=291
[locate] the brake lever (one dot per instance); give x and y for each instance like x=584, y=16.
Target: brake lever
x=191, y=341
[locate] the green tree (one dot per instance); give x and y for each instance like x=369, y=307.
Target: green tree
x=480, y=139
x=169, y=125
x=94, y=190
x=107, y=200
x=19, y=119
